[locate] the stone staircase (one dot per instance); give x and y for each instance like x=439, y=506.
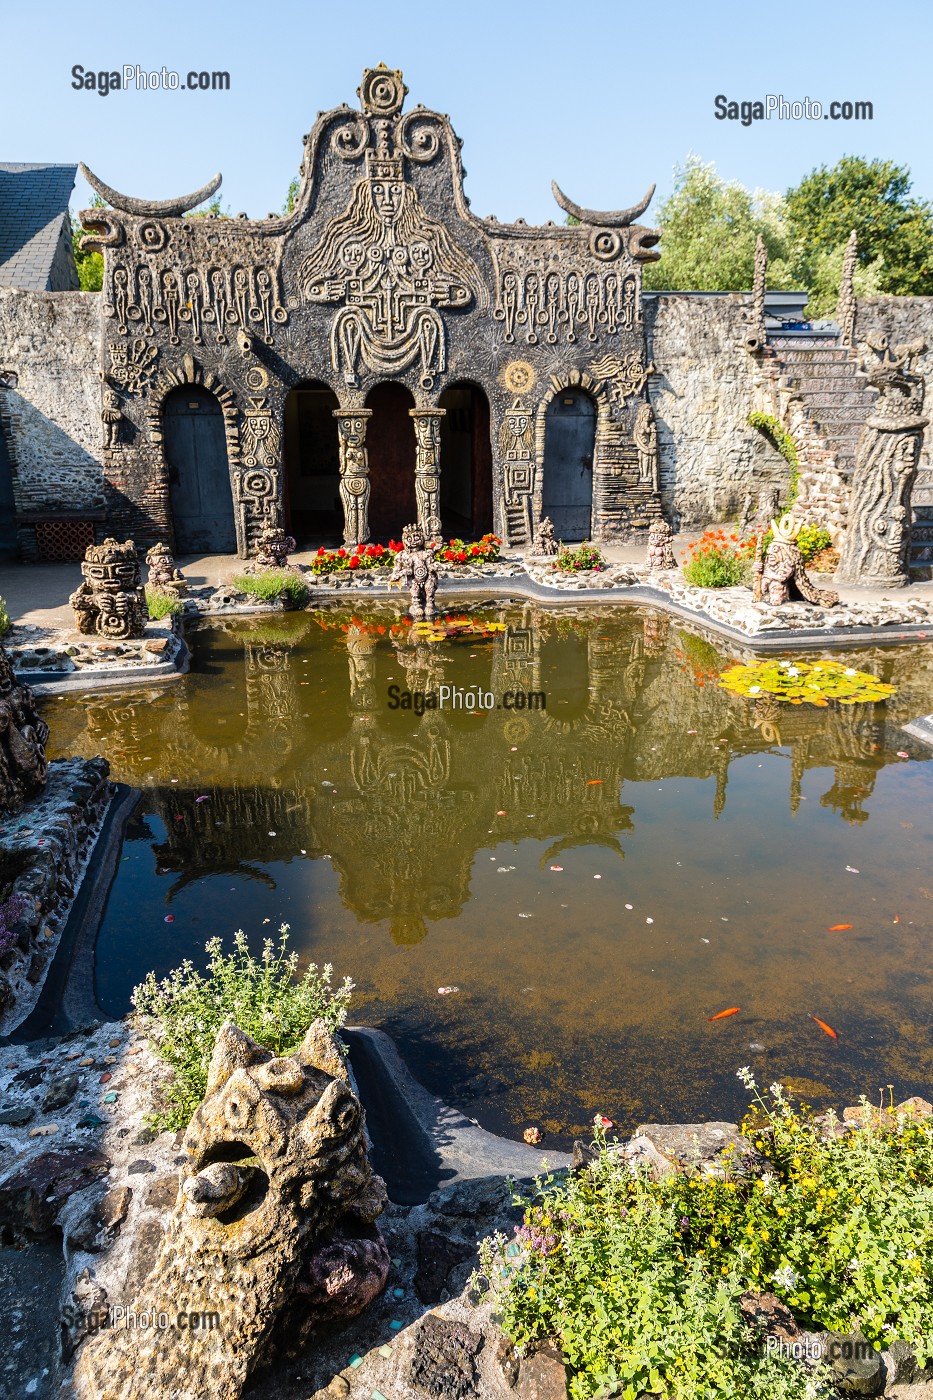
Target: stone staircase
x=821, y=378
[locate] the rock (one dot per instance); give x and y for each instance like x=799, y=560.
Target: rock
x=340, y=1277
x=338, y=1386
x=157, y=648
x=508, y=1360
x=140, y=1166
x=44, y=1130
x=143, y=1138
x=60, y=1092
x=915, y=1106
x=689, y=1144
x=163, y=1192
x=641, y=1152
x=18, y=1116
x=32, y=1194
x=481, y=1196
x=543, y=1375
x=29, y=1078
x=437, y=1255
x=768, y=1316
x=444, y=1361
x=857, y=1369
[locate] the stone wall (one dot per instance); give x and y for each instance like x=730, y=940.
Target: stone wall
x=903, y=319
x=50, y=399
x=705, y=386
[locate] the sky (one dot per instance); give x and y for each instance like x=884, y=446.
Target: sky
x=605, y=98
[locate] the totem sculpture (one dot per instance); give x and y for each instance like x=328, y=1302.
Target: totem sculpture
x=354, y=473
x=273, y=548
x=876, y=549
x=544, y=541
x=163, y=573
x=111, y=601
x=416, y=568
x=660, y=547
x=23, y=765
x=427, y=423
x=277, y=1186
x=780, y=577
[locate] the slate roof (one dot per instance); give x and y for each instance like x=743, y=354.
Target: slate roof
x=33, y=204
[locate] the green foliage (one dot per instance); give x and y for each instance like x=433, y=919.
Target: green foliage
x=895, y=230
x=810, y=682
x=291, y=197
x=718, y=560
x=709, y=227
x=213, y=209
x=162, y=604
x=5, y=620
x=639, y=1281
x=90, y=265
x=263, y=996
x=581, y=558
x=274, y=585
x=812, y=540
x=782, y=440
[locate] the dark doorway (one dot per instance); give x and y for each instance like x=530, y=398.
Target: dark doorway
x=569, y=442
x=313, y=512
x=199, y=478
x=7, y=503
x=466, y=462
x=390, y=440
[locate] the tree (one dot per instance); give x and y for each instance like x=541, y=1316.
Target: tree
x=709, y=227
x=291, y=197
x=873, y=197
x=90, y=265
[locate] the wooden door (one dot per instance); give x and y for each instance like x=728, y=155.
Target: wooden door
x=569, y=442
x=199, y=477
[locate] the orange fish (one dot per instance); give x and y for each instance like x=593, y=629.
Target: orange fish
x=731, y=1011
x=823, y=1026
x=592, y=782
x=835, y=928
x=897, y=918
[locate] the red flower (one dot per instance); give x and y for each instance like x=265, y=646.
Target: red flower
x=341, y=553
x=354, y=562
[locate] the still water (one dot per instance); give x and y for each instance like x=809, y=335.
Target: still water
x=595, y=879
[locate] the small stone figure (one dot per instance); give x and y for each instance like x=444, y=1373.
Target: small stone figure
x=111, y=600
x=111, y=417
x=163, y=573
x=273, y=548
x=416, y=567
x=780, y=577
x=876, y=550
x=661, y=547
x=276, y=1195
x=23, y=765
x=544, y=541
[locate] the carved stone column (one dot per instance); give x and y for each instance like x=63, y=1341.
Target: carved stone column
x=354, y=472
x=428, y=469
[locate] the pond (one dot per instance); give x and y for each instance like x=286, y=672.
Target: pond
x=596, y=877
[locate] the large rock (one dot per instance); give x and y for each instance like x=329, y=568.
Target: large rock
x=444, y=1360
x=32, y=1194
x=689, y=1144
x=543, y=1375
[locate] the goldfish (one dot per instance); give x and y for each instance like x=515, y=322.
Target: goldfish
x=823, y=1026
x=731, y=1011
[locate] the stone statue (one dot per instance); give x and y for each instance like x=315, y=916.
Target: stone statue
x=163, y=573
x=23, y=765
x=354, y=473
x=544, y=541
x=416, y=567
x=111, y=600
x=277, y=1185
x=273, y=548
x=876, y=548
x=780, y=577
x=660, y=547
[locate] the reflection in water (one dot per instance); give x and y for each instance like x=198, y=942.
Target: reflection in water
x=457, y=848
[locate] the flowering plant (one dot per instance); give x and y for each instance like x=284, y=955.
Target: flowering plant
x=483, y=551
x=718, y=560
x=585, y=557
x=814, y=683
x=361, y=556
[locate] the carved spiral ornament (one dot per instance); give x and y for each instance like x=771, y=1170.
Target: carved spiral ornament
x=418, y=137
x=355, y=485
x=257, y=484
x=382, y=92
x=605, y=243
x=350, y=140
x=152, y=236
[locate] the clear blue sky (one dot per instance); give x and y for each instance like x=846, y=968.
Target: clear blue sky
x=603, y=98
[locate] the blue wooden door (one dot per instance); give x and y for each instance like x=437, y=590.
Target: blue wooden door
x=569, y=441
x=199, y=478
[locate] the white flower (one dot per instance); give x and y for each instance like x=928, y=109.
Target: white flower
x=785, y=1277
x=850, y=671
x=746, y=1076
x=793, y=671
x=754, y=689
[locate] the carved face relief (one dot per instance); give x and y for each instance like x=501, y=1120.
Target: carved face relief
x=387, y=199
x=352, y=430
x=353, y=255
x=421, y=257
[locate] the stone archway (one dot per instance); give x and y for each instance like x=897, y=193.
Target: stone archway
x=390, y=444
x=465, y=462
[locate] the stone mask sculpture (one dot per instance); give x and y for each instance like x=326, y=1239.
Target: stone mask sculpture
x=876, y=550
x=416, y=568
x=273, y=548
x=780, y=577
x=23, y=765
x=163, y=573
x=544, y=541
x=660, y=547
x=276, y=1165
x=111, y=600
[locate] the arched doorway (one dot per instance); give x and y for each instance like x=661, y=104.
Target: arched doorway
x=199, y=477
x=313, y=513
x=390, y=442
x=569, y=443
x=466, y=462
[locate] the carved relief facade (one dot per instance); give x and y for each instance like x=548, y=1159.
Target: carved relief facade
x=380, y=272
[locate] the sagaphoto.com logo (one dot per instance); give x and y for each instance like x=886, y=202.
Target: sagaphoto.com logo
x=131, y=77
x=776, y=107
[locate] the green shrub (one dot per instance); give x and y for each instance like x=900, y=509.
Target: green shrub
x=263, y=996
x=273, y=586
x=640, y=1281
x=812, y=540
x=579, y=559
x=779, y=438
x=5, y=621
x=162, y=604
x=718, y=560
